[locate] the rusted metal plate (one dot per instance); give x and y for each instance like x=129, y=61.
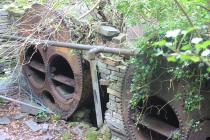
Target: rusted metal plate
x=55, y=74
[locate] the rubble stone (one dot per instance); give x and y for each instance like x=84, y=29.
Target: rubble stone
x=108, y=31
x=4, y=121
x=32, y=125
x=119, y=39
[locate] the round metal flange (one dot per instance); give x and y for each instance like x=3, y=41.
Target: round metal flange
x=202, y=134
x=65, y=79
x=58, y=78
x=157, y=119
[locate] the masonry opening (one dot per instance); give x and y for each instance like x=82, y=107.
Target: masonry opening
x=62, y=75
x=104, y=99
x=157, y=112
x=35, y=64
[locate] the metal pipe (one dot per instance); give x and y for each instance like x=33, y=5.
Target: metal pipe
x=102, y=49
x=93, y=50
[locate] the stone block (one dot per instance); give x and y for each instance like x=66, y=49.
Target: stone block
x=122, y=69
x=113, y=92
x=119, y=39
x=104, y=76
x=32, y=125
x=111, y=106
x=117, y=115
x=119, y=106
x=105, y=71
x=115, y=78
x=4, y=121
x=108, y=31
x=20, y=116
x=113, y=68
x=118, y=74
x=118, y=100
x=100, y=64
x=111, y=97
x=111, y=62
x=104, y=82
x=115, y=87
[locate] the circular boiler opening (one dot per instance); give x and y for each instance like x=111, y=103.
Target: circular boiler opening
x=35, y=65
x=159, y=120
x=62, y=76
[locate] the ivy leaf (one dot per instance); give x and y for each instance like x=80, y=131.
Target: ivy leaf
x=208, y=69
x=185, y=57
x=195, y=58
x=159, y=52
x=123, y=7
x=186, y=47
x=206, y=44
x=171, y=59
x=203, y=45
x=160, y=43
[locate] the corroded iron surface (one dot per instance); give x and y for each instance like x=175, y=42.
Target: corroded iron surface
x=163, y=116
x=156, y=119
x=57, y=75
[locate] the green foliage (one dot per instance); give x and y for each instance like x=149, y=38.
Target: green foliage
x=55, y=118
x=66, y=136
x=164, y=15
x=41, y=115
x=18, y=7
x=91, y=134
x=176, y=40
x=195, y=125
x=176, y=135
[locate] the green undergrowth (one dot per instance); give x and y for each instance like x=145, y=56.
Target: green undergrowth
x=175, y=43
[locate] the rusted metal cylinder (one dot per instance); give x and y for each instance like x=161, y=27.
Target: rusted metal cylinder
x=57, y=75
x=156, y=118
x=163, y=116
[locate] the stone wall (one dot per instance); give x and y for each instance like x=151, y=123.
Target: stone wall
x=111, y=69
x=113, y=74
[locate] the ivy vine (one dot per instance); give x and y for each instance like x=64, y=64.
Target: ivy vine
x=176, y=33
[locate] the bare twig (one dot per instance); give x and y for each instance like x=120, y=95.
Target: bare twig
x=91, y=10
x=184, y=12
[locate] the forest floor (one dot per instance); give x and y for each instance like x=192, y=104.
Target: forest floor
x=16, y=125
